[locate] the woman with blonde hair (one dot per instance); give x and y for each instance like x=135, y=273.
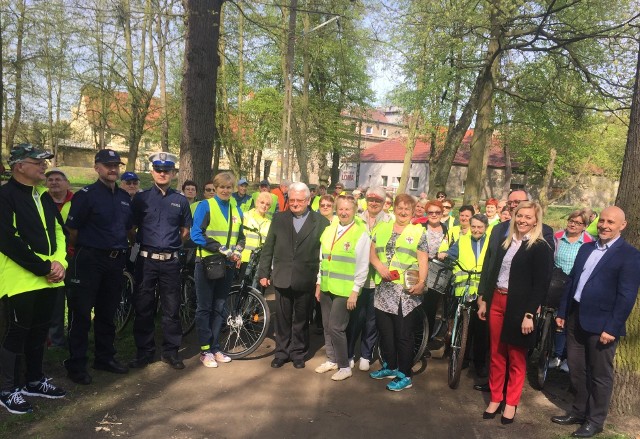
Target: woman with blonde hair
x=517, y=283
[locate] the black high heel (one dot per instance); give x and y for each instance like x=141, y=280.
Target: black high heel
x=507, y=421
x=491, y=415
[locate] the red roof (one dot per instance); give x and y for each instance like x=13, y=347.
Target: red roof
x=392, y=151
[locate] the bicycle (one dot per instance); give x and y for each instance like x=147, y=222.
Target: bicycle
x=545, y=343
x=460, y=328
x=247, y=312
x=124, y=311
x=420, y=337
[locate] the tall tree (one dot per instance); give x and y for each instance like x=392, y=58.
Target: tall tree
x=626, y=394
x=19, y=65
x=201, y=61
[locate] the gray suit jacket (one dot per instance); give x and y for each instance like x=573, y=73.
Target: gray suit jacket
x=293, y=256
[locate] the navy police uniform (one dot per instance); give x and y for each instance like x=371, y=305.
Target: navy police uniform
x=102, y=218
x=159, y=218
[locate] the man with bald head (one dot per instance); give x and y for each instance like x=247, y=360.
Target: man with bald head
x=600, y=295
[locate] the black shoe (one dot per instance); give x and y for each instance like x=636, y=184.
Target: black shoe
x=567, y=420
x=173, y=361
x=14, y=402
x=298, y=364
x=587, y=430
x=113, y=366
x=80, y=377
x=507, y=421
x=140, y=362
x=482, y=387
x=491, y=415
x=277, y=363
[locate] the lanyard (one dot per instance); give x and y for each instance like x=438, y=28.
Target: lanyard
x=338, y=238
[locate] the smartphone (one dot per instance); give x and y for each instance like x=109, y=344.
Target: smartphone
x=394, y=275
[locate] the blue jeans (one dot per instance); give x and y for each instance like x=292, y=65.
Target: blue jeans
x=211, y=296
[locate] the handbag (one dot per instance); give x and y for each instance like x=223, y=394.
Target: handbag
x=215, y=265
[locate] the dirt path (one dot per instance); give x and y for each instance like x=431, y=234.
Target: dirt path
x=247, y=398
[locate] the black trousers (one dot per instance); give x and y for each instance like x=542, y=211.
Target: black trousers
x=293, y=310
x=590, y=370
x=479, y=333
x=165, y=276
x=397, y=339
x=28, y=319
x=94, y=281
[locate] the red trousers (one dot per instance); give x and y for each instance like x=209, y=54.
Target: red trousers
x=503, y=354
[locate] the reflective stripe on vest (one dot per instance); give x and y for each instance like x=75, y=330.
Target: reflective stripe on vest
x=467, y=259
x=406, y=251
x=338, y=266
x=218, y=227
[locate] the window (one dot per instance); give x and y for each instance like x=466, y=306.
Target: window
x=414, y=183
x=385, y=180
x=368, y=129
x=383, y=132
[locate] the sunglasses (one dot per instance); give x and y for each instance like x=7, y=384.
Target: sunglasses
x=434, y=212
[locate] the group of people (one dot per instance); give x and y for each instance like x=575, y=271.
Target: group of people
x=364, y=257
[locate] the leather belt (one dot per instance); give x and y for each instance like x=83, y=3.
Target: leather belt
x=158, y=256
x=502, y=291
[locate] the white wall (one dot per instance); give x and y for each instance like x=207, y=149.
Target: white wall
x=371, y=175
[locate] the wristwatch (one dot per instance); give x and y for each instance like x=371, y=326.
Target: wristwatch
x=528, y=315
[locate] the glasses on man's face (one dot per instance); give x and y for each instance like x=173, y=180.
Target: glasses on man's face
x=209, y=189
x=41, y=163
x=374, y=200
x=515, y=202
x=433, y=212
x=131, y=182
x=575, y=223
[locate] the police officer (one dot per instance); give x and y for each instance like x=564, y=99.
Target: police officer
x=98, y=223
x=163, y=218
x=32, y=257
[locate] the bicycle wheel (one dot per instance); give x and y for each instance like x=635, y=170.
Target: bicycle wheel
x=125, y=307
x=546, y=348
x=420, y=337
x=458, y=348
x=188, y=304
x=246, y=324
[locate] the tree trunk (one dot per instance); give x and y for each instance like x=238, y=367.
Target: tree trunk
x=304, y=121
x=335, y=165
x=256, y=170
x=200, y=71
x=162, y=30
x=19, y=63
x=285, y=136
x=626, y=391
x=545, y=187
x=408, y=151
x=508, y=170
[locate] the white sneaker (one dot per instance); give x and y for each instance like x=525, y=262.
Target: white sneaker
x=363, y=365
x=341, y=374
x=564, y=366
x=221, y=358
x=352, y=363
x=326, y=367
x=208, y=360
x=554, y=362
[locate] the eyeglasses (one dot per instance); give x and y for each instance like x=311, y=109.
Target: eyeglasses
x=434, y=212
x=42, y=163
x=297, y=200
x=576, y=223
x=515, y=202
x=325, y=206
x=209, y=189
x=131, y=182
x=374, y=200
x=444, y=206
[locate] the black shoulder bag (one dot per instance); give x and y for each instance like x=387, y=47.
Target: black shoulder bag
x=215, y=265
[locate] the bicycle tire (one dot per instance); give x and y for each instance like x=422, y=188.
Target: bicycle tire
x=188, y=304
x=420, y=337
x=546, y=347
x=458, y=348
x=125, y=307
x=246, y=324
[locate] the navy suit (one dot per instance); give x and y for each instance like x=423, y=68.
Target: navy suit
x=606, y=301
